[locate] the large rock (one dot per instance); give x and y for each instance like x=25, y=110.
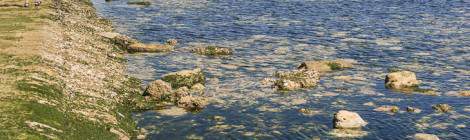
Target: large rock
x=423, y=136
x=401, y=80
x=212, y=50
x=296, y=79
x=327, y=65
x=347, y=120
x=186, y=78
x=159, y=90
x=151, y=48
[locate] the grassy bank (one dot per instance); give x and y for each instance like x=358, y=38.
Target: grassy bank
x=58, y=78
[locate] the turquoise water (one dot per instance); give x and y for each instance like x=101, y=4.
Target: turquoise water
x=428, y=37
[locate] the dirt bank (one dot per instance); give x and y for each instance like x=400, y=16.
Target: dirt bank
x=58, y=78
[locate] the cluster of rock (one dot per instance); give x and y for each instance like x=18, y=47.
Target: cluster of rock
x=134, y=46
x=307, y=74
x=188, y=85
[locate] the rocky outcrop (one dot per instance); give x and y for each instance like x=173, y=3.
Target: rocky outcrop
x=401, y=80
x=443, y=108
x=185, y=78
x=292, y=80
x=150, y=48
x=212, y=50
x=158, y=90
x=348, y=120
x=423, y=136
x=118, y=39
x=324, y=66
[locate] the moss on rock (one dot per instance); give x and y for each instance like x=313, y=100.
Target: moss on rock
x=185, y=78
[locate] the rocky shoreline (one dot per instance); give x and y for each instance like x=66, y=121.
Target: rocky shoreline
x=61, y=79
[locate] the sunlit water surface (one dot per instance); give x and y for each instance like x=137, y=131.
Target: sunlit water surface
x=430, y=38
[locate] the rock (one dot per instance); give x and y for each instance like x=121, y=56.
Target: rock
x=401, y=80
x=268, y=82
x=139, y=2
x=324, y=66
x=151, y=48
x=198, y=88
x=192, y=102
x=413, y=109
x=283, y=84
x=444, y=108
x=180, y=93
x=465, y=93
x=369, y=104
x=119, y=39
x=386, y=108
x=186, y=78
x=346, y=120
x=218, y=118
x=158, y=90
x=296, y=79
x=423, y=136
x=172, y=42
x=212, y=50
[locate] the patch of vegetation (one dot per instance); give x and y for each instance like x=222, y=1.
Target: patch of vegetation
x=73, y=127
x=178, y=81
x=12, y=38
x=334, y=66
x=39, y=86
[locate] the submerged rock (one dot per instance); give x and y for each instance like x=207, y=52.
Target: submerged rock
x=139, y=2
x=444, y=108
x=386, y=108
x=413, y=109
x=212, y=50
x=347, y=120
x=423, y=136
x=327, y=65
x=158, y=90
x=348, y=133
x=401, y=80
x=296, y=79
x=186, y=78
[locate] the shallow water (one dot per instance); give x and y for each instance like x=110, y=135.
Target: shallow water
x=430, y=38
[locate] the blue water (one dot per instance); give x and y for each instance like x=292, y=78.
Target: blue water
x=428, y=37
